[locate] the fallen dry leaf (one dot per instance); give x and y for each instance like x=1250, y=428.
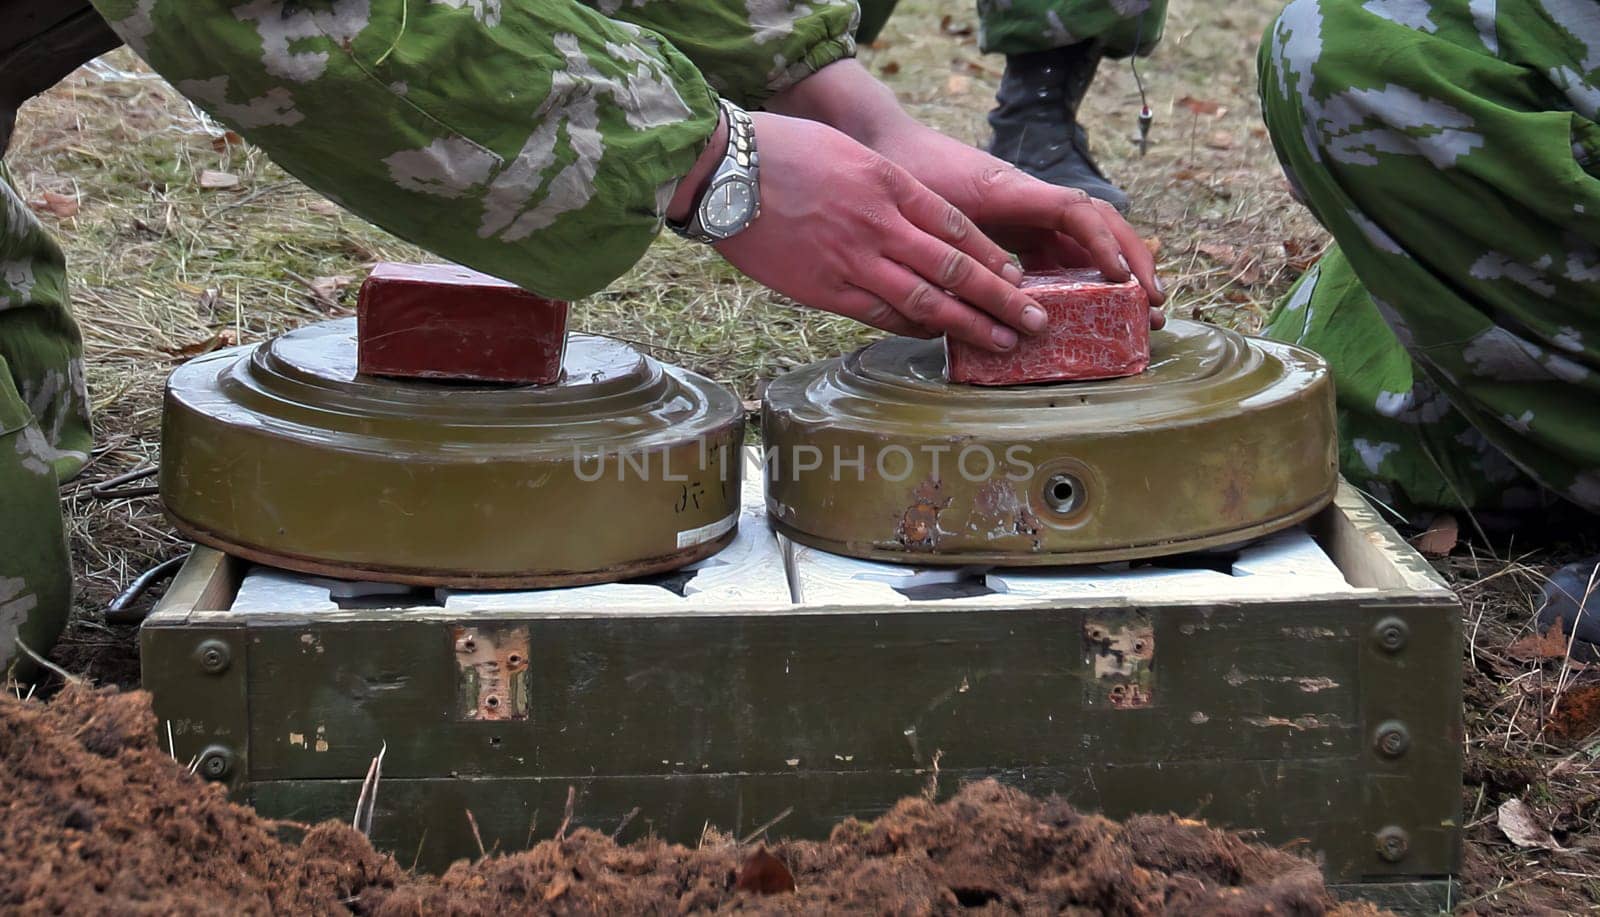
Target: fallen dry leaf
x=1440, y=538
x=890, y=68
x=324, y=291
x=1577, y=714
x=224, y=338
x=228, y=138
x=1219, y=251
x=764, y=874
x=60, y=206
x=1203, y=106
x=957, y=84
x=1153, y=245
x=207, y=301
x=324, y=207
x=1521, y=825
x=977, y=68
x=212, y=180
x=1220, y=140
x=1247, y=270
x=950, y=26
x=1552, y=644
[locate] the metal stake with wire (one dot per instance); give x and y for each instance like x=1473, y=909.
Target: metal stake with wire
x=1146, y=116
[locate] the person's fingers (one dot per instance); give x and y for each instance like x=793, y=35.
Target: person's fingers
x=1138, y=256
x=1158, y=319
x=1012, y=198
x=941, y=219
x=1069, y=253
x=869, y=309
x=924, y=304
x=956, y=272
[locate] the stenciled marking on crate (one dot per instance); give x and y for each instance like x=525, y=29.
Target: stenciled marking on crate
x=1120, y=650
x=493, y=678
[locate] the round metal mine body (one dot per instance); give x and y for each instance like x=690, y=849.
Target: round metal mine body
x=1223, y=439
x=282, y=454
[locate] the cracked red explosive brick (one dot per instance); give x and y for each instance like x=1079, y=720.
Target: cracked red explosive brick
x=443, y=321
x=1096, y=330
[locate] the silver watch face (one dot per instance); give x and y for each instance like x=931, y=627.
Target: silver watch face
x=727, y=206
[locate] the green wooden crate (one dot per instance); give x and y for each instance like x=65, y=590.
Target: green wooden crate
x=1328, y=719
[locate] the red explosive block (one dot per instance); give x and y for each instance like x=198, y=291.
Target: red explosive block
x=1095, y=330
x=443, y=321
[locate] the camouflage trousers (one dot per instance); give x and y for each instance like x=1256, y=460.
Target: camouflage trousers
x=44, y=430
x=1123, y=27
x=1451, y=149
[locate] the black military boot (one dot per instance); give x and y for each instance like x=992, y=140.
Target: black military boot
x=1036, y=121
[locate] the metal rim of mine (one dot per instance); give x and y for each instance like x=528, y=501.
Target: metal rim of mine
x=1224, y=439
x=280, y=453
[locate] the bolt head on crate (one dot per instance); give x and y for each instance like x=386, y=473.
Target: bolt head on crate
x=1095, y=329
x=447, y=322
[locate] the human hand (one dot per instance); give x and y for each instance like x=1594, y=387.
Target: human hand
x=845, y=230
x=1046, y=225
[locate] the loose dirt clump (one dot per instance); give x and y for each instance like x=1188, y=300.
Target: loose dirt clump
x=990, y=847
x=96, y=817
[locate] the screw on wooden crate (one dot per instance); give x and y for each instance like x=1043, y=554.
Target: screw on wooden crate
x=214, y=656
x=1391, y=634
x=215, y=763
x=1392, y=739
x=1392, y=843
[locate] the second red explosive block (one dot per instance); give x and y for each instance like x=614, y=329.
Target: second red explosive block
x=1096, y=329
x=443, y=321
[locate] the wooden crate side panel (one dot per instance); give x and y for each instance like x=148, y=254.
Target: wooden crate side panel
x=1307, y=804
x=774, y=694
x=1412, y=707
x=1370, y=553
x=197, y=677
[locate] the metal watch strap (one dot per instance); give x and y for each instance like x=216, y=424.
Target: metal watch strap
x=741, y=158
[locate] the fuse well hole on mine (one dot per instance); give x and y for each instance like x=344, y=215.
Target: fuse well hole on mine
x=1063, y=493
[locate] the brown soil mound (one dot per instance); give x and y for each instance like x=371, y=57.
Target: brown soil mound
x=96, y=818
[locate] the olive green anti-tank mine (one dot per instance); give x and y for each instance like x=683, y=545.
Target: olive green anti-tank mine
x=281, y=453
x=1223, y=439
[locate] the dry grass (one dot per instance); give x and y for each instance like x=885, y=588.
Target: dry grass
x=160, y=264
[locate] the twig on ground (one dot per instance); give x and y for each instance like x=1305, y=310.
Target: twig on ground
x=482, y=854
x=566, y=817
x=767, y=826
x=623, y=825
x=367, y=801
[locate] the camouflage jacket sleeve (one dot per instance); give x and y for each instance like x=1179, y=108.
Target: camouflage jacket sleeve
x=537, y=140
x=749, y=49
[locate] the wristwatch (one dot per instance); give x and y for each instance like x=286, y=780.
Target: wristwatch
x=731, y=200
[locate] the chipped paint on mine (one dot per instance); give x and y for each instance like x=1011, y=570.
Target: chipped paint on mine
x=999, y=513
x=919, y=525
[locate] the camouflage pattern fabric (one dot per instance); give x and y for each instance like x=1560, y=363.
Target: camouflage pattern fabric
x=44, y=430
x=1452, y=150
x=536, y=140
x=1122, y=27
